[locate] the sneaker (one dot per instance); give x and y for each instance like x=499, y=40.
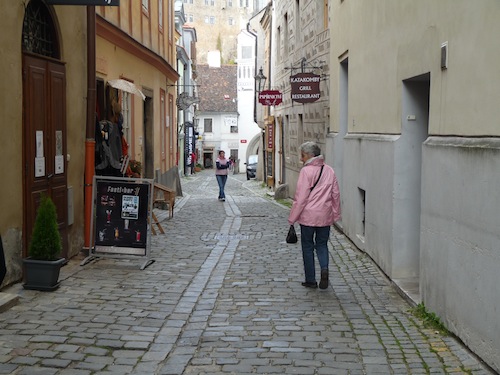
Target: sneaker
x=223, y=199
x=310, y=284
x=323, y=283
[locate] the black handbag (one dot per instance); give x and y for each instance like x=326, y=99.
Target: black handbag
x=291, y=237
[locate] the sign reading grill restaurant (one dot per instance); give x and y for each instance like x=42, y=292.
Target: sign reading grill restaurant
x=270, y=97
x=305, y=87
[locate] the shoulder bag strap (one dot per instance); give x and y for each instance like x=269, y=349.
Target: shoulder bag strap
x=320, y=172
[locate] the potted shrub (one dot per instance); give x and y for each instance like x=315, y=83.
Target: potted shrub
x=44, y=262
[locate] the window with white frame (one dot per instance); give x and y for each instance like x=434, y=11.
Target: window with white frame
x=207, y=125
x=145, y=6
x=160, y=14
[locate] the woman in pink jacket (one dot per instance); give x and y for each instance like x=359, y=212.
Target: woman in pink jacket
x=316, y=207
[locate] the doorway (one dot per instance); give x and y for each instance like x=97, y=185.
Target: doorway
x=148, y=146
x=44, y=121
x=408, y=172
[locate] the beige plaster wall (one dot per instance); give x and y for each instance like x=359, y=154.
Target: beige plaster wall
x=122, y=64
x=389, y=41
x=72, y=29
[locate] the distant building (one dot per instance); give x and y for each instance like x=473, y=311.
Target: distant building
x=218, y=116
x=218, y=23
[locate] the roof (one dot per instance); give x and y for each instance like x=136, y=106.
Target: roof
x=217, y=88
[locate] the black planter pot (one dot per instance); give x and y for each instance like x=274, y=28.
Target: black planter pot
x=42, y=275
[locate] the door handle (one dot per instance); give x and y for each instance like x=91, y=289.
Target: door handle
x=50, y=176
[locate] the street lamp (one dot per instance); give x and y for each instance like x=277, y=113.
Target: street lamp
x=261, y=80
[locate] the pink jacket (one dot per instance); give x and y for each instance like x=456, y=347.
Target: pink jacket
x=320, y=207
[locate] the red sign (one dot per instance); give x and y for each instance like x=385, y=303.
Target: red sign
x=243, y=141
x=270, y=136
x=270, y=97
x=305, y=87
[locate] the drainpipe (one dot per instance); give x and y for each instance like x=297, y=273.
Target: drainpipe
x=254, y=81
x=90, y=128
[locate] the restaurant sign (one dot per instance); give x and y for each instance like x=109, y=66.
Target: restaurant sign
x=270, y=97
x=305, y=87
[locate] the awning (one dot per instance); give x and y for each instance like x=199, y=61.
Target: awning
x=126, y=86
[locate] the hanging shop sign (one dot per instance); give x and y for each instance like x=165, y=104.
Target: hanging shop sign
x=270, y=135
x=305, y=87
x=270, y=97
x=84, y=2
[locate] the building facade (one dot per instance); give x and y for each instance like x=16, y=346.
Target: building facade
x=218, y=23
x=248, y=130
x=414, y=140
x=297, y=42
x=43, y=121
x=218, y=116
x=136, y=42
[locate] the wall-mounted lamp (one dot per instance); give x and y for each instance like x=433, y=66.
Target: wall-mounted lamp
x=261, y=80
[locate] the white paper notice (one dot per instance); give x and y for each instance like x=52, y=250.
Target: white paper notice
x=39, y=167
x=130, y=207
x=59, y=164
x=39, y=144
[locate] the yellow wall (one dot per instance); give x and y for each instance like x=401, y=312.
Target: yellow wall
x=122, y=64
x=72, y=28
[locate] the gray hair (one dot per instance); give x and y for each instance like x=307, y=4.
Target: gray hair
x=310, y=148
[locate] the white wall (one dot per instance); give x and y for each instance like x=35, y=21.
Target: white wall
x=460, y=241
x=432, y=205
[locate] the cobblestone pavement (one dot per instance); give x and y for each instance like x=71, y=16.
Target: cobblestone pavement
x=223, y=297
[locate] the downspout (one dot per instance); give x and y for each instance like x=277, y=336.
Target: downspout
x=90, y=128
x=254, y=81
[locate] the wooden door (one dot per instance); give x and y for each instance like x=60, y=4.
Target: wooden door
x=44, y=148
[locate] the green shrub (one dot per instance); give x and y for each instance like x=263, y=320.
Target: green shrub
x=45, y=240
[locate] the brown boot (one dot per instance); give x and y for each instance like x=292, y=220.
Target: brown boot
x=323, y=284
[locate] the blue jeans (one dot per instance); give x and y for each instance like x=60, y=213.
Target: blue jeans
x=314, y=238
x=221, y=180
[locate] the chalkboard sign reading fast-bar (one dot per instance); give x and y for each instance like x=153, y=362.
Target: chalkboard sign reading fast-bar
x=121, y=217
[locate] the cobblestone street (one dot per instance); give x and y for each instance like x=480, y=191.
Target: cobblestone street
x=223, y=296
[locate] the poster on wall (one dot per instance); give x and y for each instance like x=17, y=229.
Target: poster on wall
x=122, y=213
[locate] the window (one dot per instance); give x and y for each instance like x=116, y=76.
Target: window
x=190, y=18
x=212, y=20
x=246, y=52
x=207, y=125
x=207, y=19
x=145, y=6
x=212, y=2
x=39, y=34
x=234, y=129
x=278, y=44
x=229, y=3
x=230, y=21
x=206, y=2
x=285, y=35
x=160, y=14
